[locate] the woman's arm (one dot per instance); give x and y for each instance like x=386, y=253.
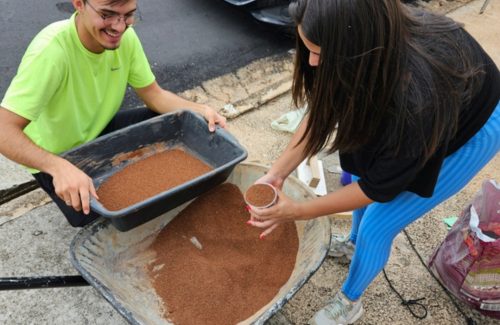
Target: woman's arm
x=289, y=159
x=347, y=198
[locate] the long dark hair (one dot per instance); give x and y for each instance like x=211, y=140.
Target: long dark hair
x=383, y=67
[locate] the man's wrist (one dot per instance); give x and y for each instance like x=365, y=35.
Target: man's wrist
x=51, y=164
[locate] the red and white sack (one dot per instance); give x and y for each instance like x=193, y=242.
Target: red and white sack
x=468, y=260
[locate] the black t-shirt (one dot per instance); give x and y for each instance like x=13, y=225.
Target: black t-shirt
x=383, y=176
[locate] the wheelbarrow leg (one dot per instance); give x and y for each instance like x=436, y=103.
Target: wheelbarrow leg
x=42, y=282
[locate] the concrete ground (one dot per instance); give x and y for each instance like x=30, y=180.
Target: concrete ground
x=35, y=237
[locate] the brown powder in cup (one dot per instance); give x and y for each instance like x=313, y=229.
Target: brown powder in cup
x=233, y=275
x=259, y=195
x=148, y=177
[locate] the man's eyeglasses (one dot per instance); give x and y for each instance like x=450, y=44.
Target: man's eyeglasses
x=114, y=18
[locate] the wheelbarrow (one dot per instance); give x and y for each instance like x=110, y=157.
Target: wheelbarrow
x=114, y=262
x=111, y=253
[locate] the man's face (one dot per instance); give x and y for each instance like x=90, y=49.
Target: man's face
x=100, y=25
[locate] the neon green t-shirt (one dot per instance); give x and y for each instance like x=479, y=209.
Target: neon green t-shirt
x=69, y=93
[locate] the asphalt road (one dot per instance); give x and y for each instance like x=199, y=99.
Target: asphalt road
x=186, y=41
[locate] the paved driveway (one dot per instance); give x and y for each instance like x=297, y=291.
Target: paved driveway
x=186, y=41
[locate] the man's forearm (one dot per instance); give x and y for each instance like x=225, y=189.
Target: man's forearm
x=16, y=146
x=171, y=102
x=163, y=101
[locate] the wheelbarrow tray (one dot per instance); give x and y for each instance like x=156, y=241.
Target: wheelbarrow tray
x=184, y=130
x=115, y=262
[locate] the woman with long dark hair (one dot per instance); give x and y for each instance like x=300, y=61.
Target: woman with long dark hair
x=411, y=103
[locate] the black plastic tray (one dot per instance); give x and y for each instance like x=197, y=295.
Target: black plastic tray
x=185, y=130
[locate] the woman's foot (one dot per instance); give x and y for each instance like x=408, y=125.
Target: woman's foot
x=340, y=310
x=341, y=246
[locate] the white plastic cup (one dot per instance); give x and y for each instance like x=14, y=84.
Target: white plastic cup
x=260, y=205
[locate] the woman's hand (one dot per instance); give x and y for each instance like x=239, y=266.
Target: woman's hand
x=284, y=210
x=274, y=180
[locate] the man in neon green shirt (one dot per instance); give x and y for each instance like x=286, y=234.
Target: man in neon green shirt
x=68, y=91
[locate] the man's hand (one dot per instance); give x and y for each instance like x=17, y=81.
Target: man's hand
x=73, y=186
x=213, y=118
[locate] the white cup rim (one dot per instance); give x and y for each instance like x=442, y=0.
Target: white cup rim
x=267, y=205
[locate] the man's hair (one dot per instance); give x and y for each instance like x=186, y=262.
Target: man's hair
x=383, y=66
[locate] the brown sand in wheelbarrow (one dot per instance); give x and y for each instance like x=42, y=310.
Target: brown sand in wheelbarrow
x=148, y=177
x=228, y=274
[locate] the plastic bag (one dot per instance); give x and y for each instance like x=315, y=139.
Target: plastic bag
x=290, y=121
x=468, y=261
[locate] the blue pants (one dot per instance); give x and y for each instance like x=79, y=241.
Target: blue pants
x=375, y=226
x=79, y=219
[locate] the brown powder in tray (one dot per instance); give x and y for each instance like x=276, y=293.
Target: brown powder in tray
x=233, y=275
x=149, y=177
